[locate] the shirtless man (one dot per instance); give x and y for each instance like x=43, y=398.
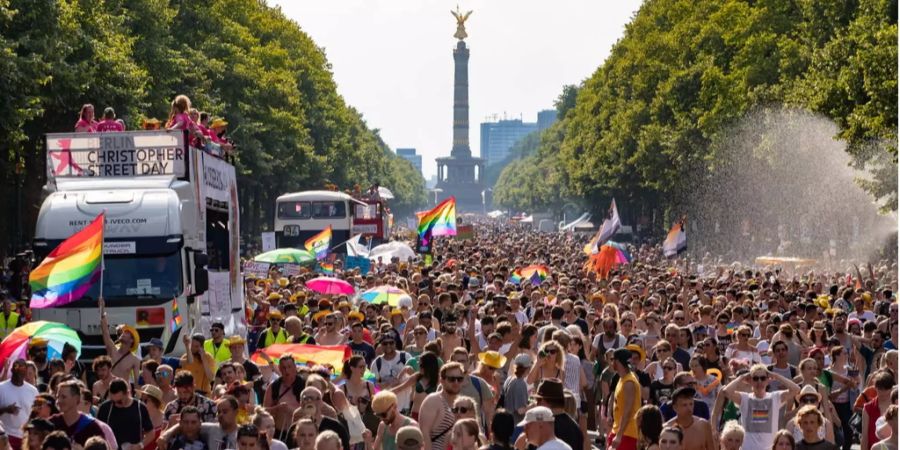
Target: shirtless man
x=697, y=432
x=449, y=340
x=283, y=395
x=329, y=334
x=102, y=367
x=125, y=364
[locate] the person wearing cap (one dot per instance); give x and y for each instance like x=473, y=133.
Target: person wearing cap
x=760, y=428
x=217, y=346
x=408, y=438
x=236, y=346
x=274, y=334
x=626, y=400
x=697, y=432
x=384, y=405
x=35, y=432
x=551, y=394
x=515, y=388
x=155, y=350
x=539, y=430
x=16, y=399
x=126, y=365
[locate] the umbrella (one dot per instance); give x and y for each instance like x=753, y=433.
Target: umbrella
x=536, y=273
x=392, y=249
x=286, y=256
x=383, y=294
x=16, y=344
x=608, y=257
x=330, y=286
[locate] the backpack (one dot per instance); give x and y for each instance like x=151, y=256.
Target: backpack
x=297, y=388
x=379, y=359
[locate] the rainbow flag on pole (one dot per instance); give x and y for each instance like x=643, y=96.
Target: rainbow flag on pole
x=320, y=243
x=176, y=316
x=440, y=221
x=70, y=269
x=676, y=241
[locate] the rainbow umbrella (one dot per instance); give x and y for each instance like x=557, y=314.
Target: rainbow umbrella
x=330, y=286
x=57, y=335
x=536, y=273
x=383, y=294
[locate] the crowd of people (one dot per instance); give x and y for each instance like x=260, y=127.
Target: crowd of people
x=206, y=133
x=660, y=354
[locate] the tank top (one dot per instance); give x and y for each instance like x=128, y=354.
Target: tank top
x=439, y=439
x=390, y=440
x=618, y=410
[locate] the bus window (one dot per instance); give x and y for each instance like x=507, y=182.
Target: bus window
x=294, y=210
x=366, y=212
x=329, y=210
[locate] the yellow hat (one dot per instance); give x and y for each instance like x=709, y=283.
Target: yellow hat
x=637, y=349
x=298, y=296
x=283, y=282
x=236, y=340
x=342, y=305
x=356, y=315
x=493, y=359
x=275, y=314
x=216, y=123
x=274, y=296
x=39, y=342
x=396, y=312
x=319, y=315
x=134, y=334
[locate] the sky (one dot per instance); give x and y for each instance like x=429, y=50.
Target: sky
x=393, y=59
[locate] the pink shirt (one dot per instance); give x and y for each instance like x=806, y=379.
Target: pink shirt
x=109, y=125
x=181, y=121
x=90, y=126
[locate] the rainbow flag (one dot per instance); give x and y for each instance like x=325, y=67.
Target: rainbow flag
x=320, y=243
x=440, y=221
x=176, y=316
x=676, y=241
x=70, y=269
x=536, y=274
x=326, y=355
x=326, y=268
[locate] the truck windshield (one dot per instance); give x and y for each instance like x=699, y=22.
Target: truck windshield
x=129, y=277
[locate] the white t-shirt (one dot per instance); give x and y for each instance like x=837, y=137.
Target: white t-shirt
x=23, y=396
x=759, y=416
x=390, y=368
x=751, y=356
x=573, y=377
x=554, y=444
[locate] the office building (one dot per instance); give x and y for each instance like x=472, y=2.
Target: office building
x=498, y=137
x=410, y=155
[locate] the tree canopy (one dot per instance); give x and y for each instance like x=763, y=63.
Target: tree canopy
x=649, y=124
x=237, y=59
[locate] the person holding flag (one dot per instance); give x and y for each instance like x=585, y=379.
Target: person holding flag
x=608, y=229
x=320, y=243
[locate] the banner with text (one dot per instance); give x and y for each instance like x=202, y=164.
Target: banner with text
x=123, y=154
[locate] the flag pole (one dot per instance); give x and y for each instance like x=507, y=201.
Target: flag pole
x=102, y=255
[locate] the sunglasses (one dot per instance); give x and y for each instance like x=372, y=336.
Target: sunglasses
x=460, y=410
x=384, y=415
x=310, y=398
x=329, y=324
x=419, y=333
x=668, y=368
x=759, y=378
x=809, y=401
x=455, y=379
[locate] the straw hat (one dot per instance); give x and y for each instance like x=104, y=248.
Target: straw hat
x=274, y=296
x=283, y=282
x=809, y=390
x=492, y=359
x=218, y=123
x=154, y=392
x=275, y=314
x=136, y=338
x=236, y=340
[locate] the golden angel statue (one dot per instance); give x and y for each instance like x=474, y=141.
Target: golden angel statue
x=460, y=23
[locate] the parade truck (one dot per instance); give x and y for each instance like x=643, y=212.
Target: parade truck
x=301, y=215
x=372, y=217
x=171, y=235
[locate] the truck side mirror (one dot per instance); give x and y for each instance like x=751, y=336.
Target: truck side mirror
x=201, y=276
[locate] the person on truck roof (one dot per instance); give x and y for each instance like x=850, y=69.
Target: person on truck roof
x=109, y=122
x=86, y=122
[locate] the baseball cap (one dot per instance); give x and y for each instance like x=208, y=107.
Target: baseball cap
x=156, y=342
x=537, y=414
x=409, y=438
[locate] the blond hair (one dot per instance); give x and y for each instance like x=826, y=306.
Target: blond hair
x=382, y=401
x=807, y=410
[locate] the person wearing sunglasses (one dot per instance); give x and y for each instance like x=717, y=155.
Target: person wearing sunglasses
x=312, y=404
x=661, y=387
x=384, y=404
x=809, y=398
x=550, y=363
x=217, y=346
x=759, y=409
x=436, y=416
x=743, y=349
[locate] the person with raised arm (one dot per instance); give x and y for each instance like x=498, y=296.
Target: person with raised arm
x=125, y=364
x=759, y=409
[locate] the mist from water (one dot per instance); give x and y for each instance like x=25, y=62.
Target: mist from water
x=782, y=185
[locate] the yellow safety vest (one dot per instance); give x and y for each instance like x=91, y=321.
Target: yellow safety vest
x=8, y=323
x=221, y=355
x=272, y=339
